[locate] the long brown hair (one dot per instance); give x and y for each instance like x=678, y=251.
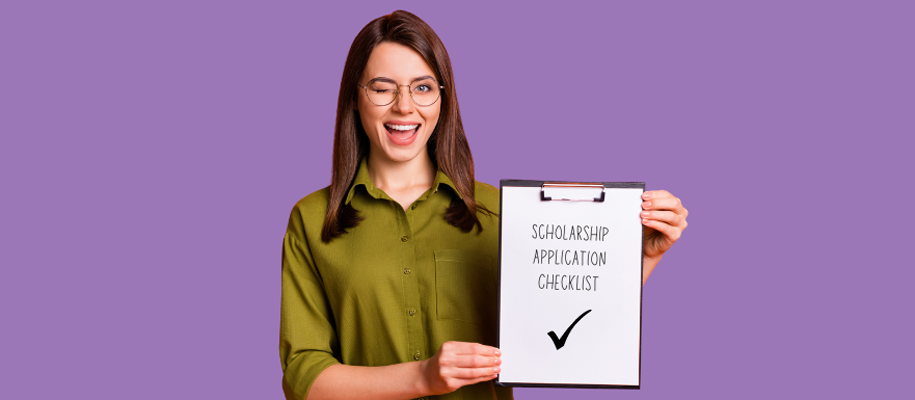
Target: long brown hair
x=447, y=146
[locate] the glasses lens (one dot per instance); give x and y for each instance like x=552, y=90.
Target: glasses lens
x=381, y=93
x=425, y=91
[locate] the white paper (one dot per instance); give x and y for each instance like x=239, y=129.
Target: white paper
x=603, y=347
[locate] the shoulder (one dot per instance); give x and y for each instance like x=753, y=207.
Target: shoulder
x=315, y=200
x=487, y=195
x=307, y=216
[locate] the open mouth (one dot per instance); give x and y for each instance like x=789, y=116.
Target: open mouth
x=402, y=133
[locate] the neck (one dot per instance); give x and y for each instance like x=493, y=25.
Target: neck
x=392, y=175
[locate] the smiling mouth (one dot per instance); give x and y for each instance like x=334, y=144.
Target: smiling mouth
x=402, y=132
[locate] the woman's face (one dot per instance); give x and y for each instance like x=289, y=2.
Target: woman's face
x=398, y=131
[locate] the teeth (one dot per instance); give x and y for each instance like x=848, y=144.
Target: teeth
x=402, y=127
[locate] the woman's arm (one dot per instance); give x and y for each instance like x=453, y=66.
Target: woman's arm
x=648, y=265
x=664, y=218
x=310, y=348
x=455, y=365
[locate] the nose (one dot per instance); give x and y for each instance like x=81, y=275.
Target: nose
x=403, y=103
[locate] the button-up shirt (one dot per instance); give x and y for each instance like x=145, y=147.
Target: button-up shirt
x=390, y=290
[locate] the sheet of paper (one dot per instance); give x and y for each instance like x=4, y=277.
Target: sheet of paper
x=570, y=288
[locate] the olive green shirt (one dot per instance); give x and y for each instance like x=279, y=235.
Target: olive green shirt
x=392, y=289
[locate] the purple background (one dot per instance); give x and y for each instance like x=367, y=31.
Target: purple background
x=150, y=155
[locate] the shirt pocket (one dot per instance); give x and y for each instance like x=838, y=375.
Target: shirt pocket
x=465, y=286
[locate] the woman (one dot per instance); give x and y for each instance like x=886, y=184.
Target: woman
x=389, y=273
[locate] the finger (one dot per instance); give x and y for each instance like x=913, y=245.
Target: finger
x=656, y=194
x=669, y=217
x=672, y=233
x=473, y=373
x=667, y=203
x=470, y=348
x=474, y=361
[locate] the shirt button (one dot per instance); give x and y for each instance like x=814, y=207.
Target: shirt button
x=413, y=207
x=404, y=239
x=416, y=356
x=406, y=271
x=412, y=312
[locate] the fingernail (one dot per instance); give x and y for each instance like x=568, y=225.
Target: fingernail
x=646, y=213
x=497, y=361
x=496, y=370
x=645, y=221
x=498, y=352
x=647, y=204
x=646, y=195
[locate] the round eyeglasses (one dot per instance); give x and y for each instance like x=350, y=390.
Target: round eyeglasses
x=424, y=91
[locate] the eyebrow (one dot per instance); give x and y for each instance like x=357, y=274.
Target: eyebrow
x=384, y=78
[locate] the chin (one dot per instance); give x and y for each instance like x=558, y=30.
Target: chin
x=404, y=155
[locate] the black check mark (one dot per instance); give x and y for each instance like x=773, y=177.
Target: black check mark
x=559, y=342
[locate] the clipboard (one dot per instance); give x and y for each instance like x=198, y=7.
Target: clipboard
x=570, y=284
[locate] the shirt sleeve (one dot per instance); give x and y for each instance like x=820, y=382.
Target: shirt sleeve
x=308, y=337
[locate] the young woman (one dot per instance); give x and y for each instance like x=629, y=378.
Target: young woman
x=389, y=273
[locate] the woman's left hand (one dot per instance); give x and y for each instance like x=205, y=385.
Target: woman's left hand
x=664, y=218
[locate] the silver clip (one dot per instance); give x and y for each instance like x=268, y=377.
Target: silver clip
x=544, y=197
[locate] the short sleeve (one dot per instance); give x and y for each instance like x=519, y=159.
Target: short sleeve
x=308, y=338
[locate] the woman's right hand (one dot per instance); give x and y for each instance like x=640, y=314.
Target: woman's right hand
x=458, y=364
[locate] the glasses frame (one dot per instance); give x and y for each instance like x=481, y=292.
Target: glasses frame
x=398, y=91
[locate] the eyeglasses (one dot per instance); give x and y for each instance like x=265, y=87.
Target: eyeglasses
x=424, y=91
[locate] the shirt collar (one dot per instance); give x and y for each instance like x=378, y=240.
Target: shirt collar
x=363, y=179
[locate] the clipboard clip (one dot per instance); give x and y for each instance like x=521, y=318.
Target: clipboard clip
x=545, y=185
